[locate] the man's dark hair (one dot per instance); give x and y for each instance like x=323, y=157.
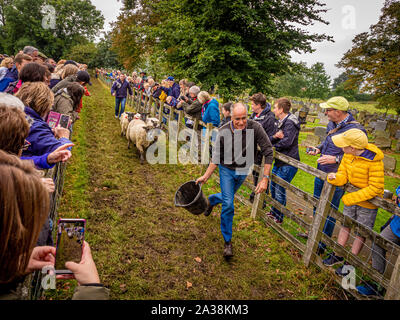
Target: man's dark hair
x=284, y=103
x=33, y=72
x=260, y=99
x=190, y=84
x=76, y=91
x=227, y=106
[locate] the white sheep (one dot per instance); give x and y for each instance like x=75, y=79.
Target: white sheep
x=125, y=119
x=137, y=134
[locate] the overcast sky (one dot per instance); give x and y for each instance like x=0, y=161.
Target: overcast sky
x=346, y=18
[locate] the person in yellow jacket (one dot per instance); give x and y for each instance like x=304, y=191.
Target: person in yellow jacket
x=362, y=166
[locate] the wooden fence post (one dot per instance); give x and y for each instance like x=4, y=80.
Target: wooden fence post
x=318, y=223
x=259, y=198
x=393, y=290
x=194, y=142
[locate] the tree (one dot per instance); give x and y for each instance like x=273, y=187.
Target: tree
x=233, y=44
x=304, y=82
x=106, y=56
x=77, y=22
x=84, y=53
x=375, y=58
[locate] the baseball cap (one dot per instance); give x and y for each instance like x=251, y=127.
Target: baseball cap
x=351, y=138
x=171, y=78
x=84, y=77
x=338, y=103
x=70, y=62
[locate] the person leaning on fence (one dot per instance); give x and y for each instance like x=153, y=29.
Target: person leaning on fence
x=391, y=232
x=341, y=120
x=228, y=156
x=263, y=114
x=67, y=100
x=192, y=106
x=362, y=166
x=285, y=141
x=24, y=207
x=14, y=129
x=38, y=100
x=120, y=90
x=12, y=75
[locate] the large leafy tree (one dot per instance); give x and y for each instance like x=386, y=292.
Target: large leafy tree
x=303, y=82
x=233, y=44
x=374, y=60
x=106, y=57
x=76, y=21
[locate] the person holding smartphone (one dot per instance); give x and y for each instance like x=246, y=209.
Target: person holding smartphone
x=25, y=198
x=341, y=120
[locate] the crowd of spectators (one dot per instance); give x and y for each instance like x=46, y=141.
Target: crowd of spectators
x=31, y=86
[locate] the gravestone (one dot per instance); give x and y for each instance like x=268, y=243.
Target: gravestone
x=383, y=143
x=398, y=146
x=323, y=119
x=397, y=136
x=310, y=119
x=311, y=140
x=320, y=132
x=381, y=125
x=381, y=134
x=303, y=115
x=372, y=125
x=389, y=163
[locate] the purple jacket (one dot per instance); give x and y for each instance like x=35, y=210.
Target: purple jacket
x=327, y=147
x=41, y=137
x=121, y=89
x=175, y=91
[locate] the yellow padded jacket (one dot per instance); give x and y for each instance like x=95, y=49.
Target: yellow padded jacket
x=365, y=172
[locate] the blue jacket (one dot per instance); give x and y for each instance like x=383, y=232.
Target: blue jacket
x=12, y=74
x=121, y=89
x=174, y=91
x=40, y=162
x=41, y=137
x=395, y=224
x=327, y=147
x=289, y=145
x=210, y=113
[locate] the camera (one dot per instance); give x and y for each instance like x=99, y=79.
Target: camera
x=310, y=149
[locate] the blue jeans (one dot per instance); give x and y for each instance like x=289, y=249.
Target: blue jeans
x=122, y=102
x=330, y=222
x=230, y=183
x=278, y=192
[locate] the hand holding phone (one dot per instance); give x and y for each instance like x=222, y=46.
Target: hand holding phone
x=70, y=238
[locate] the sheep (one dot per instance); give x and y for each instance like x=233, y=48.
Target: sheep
x=153, y=122
x=137, y=134
x=125, y=119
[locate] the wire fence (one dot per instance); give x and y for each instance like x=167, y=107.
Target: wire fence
x=302, y=213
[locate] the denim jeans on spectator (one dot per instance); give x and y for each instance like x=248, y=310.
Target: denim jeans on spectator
x=278, y=192
x=330, y=222
x=230, y=182
x=118, y=102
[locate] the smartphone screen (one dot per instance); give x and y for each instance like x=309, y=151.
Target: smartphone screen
x=70, y=237
x=64, y=121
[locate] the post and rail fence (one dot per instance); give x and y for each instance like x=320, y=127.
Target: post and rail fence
x=390, y=280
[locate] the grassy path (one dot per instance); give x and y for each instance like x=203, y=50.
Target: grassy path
x=145, y=248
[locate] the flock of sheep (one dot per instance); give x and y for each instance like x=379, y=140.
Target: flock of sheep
x=138, y=129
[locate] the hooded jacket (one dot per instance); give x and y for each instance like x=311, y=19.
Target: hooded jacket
x=64, y=104
x=327, y=147
x=174, y=91
x=210, y=113
x=267, y=120
x=41, y=137
x=365, y=172
x=289, y=145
